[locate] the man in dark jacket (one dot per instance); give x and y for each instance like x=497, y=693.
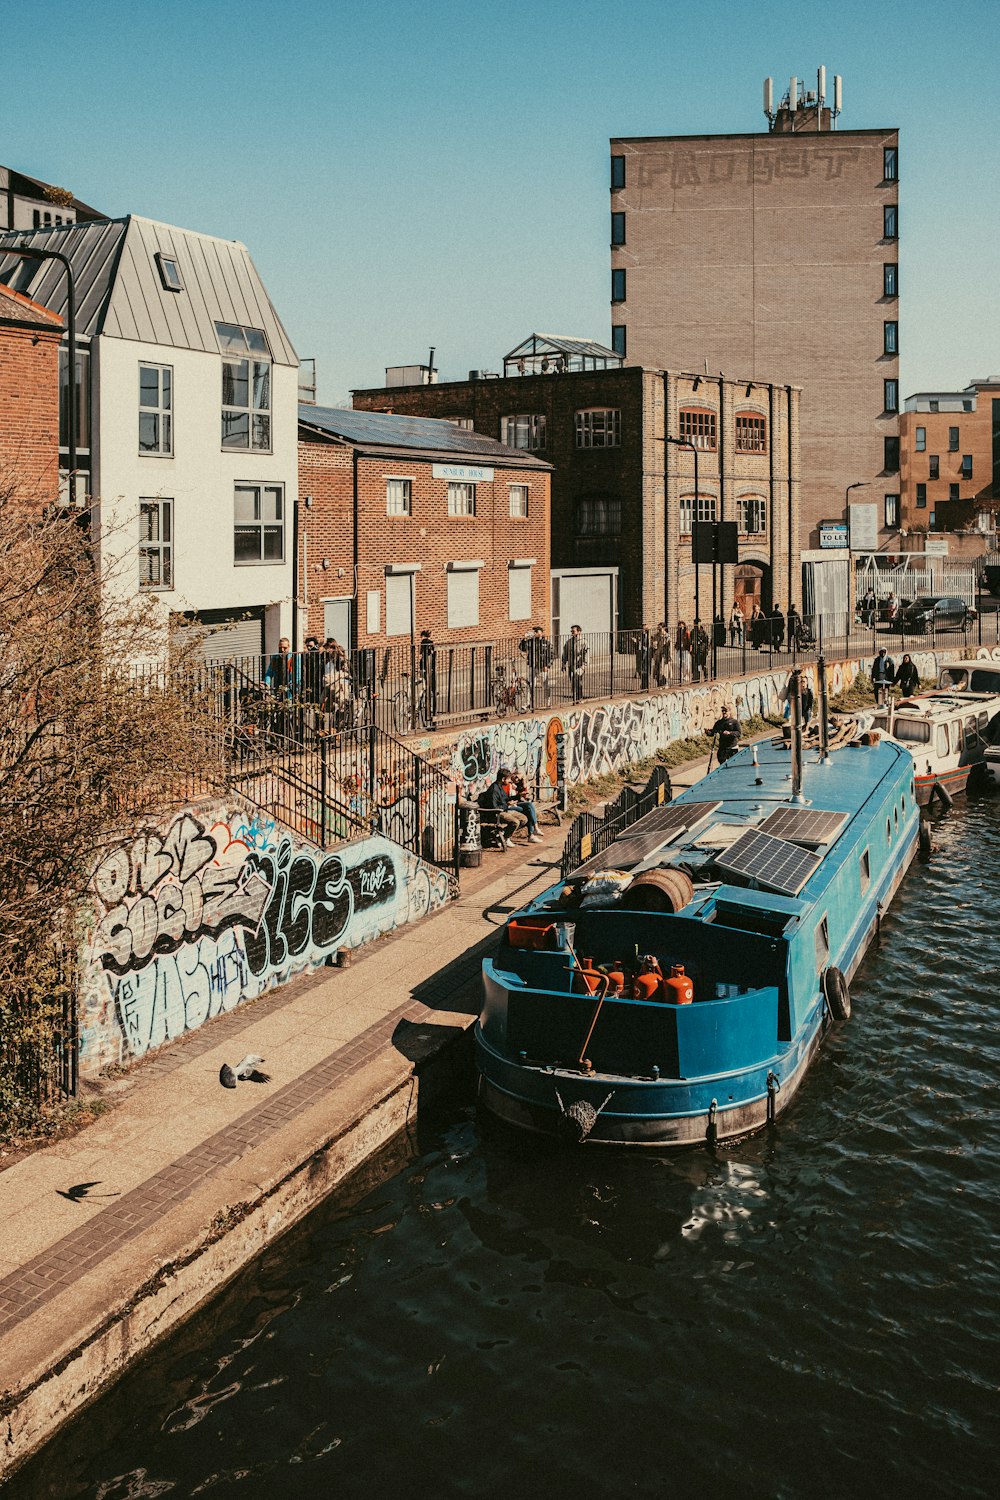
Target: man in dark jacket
x=538, y=649
x=728, y=730
x=498, y=799
x=777, y=622
x=883, y=674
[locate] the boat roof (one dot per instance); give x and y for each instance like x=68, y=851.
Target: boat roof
x=943, y=704
x=743, y=821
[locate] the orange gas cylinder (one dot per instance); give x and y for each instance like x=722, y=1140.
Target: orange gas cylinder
x=678, y=989
x=616, y=978
x=646, y=985
x=590, y=974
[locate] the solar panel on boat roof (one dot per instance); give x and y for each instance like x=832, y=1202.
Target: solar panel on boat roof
x=772, y=863
x=638, y=842
x=804, y=825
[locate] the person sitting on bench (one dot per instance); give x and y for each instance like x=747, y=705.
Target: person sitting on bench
x=497, y=801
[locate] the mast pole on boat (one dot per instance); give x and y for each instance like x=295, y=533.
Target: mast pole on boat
x=824, y=705
x=795, y=705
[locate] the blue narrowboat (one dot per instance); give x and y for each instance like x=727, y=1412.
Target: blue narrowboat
x=675, y=987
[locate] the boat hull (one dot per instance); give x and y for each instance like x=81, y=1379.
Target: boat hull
x=667, y=1113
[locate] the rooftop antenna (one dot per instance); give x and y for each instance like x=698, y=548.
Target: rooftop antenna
x=838, y=97
x=793, y=94
x=769, y=100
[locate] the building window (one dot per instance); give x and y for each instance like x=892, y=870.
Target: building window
x=617, y=173
x=966, y=405
x=698, y=427
x=966, y=465
x=932, y=406
x=259, y=534
x=466, y=423
x=398, y=497
x=891, y=455
x=518, y=498
x=921, y=496
x=156, y=398
x=890, y=399
x=890, y=279
x=617, y=229
x=519, y=593
x=463, y=598
x=461, y=499
x=523, y=431
x=952, y=439
x=618, y=339
x=933, y=466
x=599, y=515
x=920, y=441
x=890, y=163
x=705, y=511
x=156, y=544
x=890, y=221
x=751, y=433
x=246, y=387
x=932, y=521
x=891, y=512
x=751, y=514
x=618, y=286
x=599, y=427
x=953, y=492
x=890, y=338
x=169, y=271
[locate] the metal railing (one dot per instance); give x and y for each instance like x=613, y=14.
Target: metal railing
x=334, y=788
x=590, y=835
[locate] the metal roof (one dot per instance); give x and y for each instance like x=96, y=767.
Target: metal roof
x=120, y=294
x=387, y=430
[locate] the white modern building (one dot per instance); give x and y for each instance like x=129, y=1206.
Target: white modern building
x=188, y=418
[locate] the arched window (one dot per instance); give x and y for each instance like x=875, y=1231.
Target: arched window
x=751, y=432
x=705, y=510
x=697, y=426
x=751, y=515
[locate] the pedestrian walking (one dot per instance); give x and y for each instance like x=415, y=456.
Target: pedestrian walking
x=883, y=674
x=736, y=622
x=907, y=678
x=574, y=660
x=682, y=643
x=538, y=649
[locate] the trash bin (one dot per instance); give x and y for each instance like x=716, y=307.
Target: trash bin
x=470, y=841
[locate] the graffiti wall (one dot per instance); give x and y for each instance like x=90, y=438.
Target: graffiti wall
x=195, y=918
x=609, y=736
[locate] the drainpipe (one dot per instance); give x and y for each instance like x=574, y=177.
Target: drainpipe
x=770, y=502
x=789, y=422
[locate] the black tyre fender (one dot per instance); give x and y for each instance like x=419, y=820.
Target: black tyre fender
x=838, y=996
x=926, y=839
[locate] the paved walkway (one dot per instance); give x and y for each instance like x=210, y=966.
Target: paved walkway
x=123, y=1215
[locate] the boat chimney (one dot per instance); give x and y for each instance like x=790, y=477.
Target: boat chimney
x=758, y=779
x=824, y=727
x=795, y=704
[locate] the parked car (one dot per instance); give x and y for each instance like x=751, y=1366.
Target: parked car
x=937, y=612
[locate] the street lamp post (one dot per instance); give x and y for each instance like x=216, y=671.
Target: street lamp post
x=683, y=443
x=29, y=253
x=859, y=484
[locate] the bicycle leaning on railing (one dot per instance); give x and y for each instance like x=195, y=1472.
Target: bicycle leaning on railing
x=411, y=707
x=510, y=694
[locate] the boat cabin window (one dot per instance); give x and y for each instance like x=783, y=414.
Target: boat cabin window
x=942, y=739
x=953, y=678
x=985, y=680
x=888, y=830
x=822, y=943
x=984, y=719
x=971, y=733
x=895, y=817
x=956, y=735
x=866, y=870
x=911, y=729
x=992, y=735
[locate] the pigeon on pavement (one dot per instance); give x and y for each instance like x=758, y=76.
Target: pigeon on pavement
x=247, y=1070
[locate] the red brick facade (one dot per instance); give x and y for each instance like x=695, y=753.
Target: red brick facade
x=29, y=398
x=939, y=489
x=428, y=539
x=608, y=501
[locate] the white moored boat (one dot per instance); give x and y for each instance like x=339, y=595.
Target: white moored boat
x=948, y=731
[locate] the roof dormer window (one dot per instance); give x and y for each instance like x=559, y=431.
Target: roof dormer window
x=169, y=270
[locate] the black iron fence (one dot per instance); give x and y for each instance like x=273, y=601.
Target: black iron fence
x=336, y=787
x=590, y=835
x=38, y=1050
x=311, y=694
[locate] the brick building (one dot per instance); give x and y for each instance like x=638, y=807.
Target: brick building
x=411, y=525
x=773, y=256
x=29, y=398
x=603, y=432
x=950, y=460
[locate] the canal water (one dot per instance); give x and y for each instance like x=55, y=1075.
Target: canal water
x=814, y=1312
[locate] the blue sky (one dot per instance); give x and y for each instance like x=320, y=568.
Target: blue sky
x=411, y=174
